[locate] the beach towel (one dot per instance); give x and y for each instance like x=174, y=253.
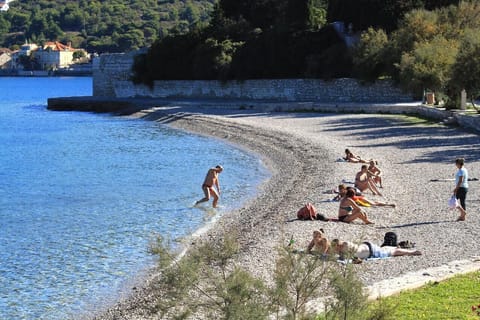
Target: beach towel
x=362, y=203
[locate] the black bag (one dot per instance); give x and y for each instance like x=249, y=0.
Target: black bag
x=390, y=239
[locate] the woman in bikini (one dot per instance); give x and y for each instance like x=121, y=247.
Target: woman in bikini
x=349, y=210
x=350, y=157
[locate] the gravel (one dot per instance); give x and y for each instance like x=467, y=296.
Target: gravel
x=302, y=152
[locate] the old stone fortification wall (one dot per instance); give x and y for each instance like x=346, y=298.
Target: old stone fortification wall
x=111, y=74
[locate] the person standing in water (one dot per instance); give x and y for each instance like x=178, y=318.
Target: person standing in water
x=461, y=187
x=211, y=186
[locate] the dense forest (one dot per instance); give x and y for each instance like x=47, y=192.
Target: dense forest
x=252, y=39
x=100, y=26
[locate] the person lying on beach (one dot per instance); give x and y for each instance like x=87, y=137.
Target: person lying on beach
x=319, y=243
x=349, y=211
x=350, y=157
x=210, y=181
x=375, y=173
x=364, y=182
x=367, y=250
x=360, y=199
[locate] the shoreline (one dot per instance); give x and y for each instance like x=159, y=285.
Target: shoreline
x=302, y=149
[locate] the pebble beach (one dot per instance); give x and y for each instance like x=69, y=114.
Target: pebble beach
x=303, y=151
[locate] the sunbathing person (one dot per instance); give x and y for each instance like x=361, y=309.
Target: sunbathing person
x=349, y=211
x=364, y=182
x=375, y=173
x=367, y=249
x=350, y=157
x=360, y=199
x=319, y=243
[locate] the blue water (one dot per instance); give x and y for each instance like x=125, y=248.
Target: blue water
x=82, y=195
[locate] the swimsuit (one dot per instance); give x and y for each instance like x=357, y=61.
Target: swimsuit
x=348, y=209
x=204, y=185
x=341, y=218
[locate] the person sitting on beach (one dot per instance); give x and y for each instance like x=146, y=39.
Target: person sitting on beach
x=375, y=173
x=349, y=211
x=319, y=243
x=210, y=181
x=368, y=249
x=342, y=189
x=360, y=199
x=350, y=157
x=364, y=182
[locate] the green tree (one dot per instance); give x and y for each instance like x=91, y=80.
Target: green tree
x=317, y=14
x=429, y=65
x=299, y=279
x=29, y=63
x=349, y=300
x=370, y=55
x=79, y=54
x=466, y=69
x=207, y=281
x=37, y=26
x=20, y=22
x=4, y=25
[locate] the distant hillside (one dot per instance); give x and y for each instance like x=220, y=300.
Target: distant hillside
x=100, y=26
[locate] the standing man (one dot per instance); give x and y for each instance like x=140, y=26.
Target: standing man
x=211, y=180
x=461, y=187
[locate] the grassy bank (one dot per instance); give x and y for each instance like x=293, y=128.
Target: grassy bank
x=451, y=299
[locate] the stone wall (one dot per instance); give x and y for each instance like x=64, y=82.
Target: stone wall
x=111, y=74
x=108, y=70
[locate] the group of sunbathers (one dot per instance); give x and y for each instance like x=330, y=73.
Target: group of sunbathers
x=350, y=208
x=351, y=198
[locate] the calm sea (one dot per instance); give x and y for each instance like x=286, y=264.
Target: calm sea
x=82, y=195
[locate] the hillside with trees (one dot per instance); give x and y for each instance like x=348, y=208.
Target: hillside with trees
x=254, y=39
x=100, y=26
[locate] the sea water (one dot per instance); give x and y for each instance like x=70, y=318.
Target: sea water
x=83, y=195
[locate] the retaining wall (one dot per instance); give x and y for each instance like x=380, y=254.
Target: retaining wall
x=111, y=74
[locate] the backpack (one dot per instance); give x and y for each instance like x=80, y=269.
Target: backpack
x=390, y=239
x=307, y=212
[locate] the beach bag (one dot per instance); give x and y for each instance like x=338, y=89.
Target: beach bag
x=453, y=202
x=307, y=212
x=390, y=239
